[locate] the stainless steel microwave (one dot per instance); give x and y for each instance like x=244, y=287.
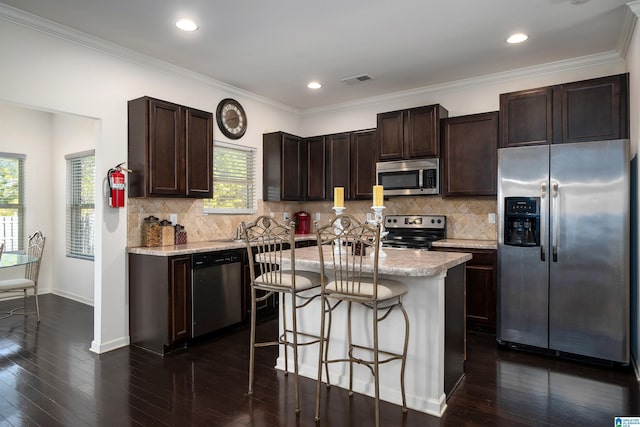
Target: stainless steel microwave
x=409, y=177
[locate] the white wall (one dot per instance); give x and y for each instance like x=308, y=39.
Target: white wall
x=71, y=277
x=54, y=74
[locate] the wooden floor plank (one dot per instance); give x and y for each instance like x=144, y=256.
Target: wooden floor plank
x=49, y=377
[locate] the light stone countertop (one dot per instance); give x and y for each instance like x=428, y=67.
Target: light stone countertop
x=398, y=262
x=198, y=247
x=466, y=244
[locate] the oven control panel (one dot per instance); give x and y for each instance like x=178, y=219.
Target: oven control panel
x=415, y=221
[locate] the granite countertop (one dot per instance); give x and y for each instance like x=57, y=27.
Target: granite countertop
x=198, y=247
x=466, y=244
x=398, y=262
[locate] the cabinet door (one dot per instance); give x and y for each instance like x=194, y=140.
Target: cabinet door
x=166, y=149
x=338, y=167
x=316, y=168
x=179, y=299
x=291, y=174
x=526, y=117
x=422, y=132
x=595, y=110
x=363, y=164
x=470, y=155
x=199, y=149
x=481, y=295
x=390, y=135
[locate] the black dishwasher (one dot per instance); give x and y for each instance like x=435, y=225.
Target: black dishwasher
x=216, y=291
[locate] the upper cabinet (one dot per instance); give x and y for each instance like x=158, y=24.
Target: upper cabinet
x=589, y=110
x=283, y=167
x=410, y=134
x=298, y=169
x=469, y=156
x=363, y=164
x=170, y=150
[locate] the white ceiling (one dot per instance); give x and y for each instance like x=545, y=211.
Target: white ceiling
x=273, y=48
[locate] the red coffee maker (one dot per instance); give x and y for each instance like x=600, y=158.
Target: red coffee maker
x=303, y=222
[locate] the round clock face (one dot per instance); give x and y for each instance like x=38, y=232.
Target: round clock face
x=231, y=118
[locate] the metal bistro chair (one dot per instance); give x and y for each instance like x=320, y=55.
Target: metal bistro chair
x=30, y=280
x=270, y=239
x=345, y=246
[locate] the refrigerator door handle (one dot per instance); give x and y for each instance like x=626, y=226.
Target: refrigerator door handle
x=554, y=231
x=543, y=222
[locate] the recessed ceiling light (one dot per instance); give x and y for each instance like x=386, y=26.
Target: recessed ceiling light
x=186, y=25
x=314, y=85
x=517, y=38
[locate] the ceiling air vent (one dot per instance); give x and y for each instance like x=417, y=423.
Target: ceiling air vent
x=356, y=79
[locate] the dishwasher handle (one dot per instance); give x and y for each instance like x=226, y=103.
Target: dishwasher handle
x=208, y=259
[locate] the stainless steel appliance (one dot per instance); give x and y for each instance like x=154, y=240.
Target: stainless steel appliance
x=563, y=248
x=414, y=231
x=216, y=291
x=409, y=177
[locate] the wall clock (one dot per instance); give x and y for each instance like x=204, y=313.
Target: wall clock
x=231, y=118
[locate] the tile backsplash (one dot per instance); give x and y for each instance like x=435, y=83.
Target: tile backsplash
x=466, y=217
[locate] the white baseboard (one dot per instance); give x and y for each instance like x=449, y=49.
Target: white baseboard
x=71, y=296
x=108, y=346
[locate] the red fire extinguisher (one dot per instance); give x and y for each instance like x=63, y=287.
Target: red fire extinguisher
x=115, y=177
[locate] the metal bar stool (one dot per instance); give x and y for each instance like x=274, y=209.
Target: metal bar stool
x=347, y=245
x=270, y=239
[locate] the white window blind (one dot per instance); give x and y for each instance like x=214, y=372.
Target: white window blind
x=12, y=201
x=81, y=169
x=233, y=179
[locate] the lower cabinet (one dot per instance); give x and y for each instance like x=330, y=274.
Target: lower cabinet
x=481, y=285
x=159, y=301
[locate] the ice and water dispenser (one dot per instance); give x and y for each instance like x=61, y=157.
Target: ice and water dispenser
x=522, y=221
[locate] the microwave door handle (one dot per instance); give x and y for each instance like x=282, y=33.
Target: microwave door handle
x=421, y=179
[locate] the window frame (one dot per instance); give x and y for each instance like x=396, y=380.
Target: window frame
x=251, y=183
x=75, y=209
x=20, y=206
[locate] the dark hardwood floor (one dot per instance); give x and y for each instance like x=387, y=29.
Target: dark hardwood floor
x=48, y=377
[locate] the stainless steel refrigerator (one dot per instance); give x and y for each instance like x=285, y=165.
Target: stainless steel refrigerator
x=563, y=248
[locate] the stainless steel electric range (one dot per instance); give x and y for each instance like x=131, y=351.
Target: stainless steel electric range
x=414, y=231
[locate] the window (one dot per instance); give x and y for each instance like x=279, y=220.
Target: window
x=12, y=201
x=81, y=178
x=233, y=179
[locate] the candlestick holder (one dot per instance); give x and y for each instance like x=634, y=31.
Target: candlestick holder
x=378, y=219
x=338, y=249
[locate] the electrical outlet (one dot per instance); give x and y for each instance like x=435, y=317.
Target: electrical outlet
x=317, y=216
x=272, y=214
x=492, y=218
x=173, y=218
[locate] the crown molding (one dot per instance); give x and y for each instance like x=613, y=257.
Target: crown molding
x=520, y=73
x=628, y=26
x=53, y=29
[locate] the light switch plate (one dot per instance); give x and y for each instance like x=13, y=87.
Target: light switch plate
x=317, y=216
x=173, y=218
x=285, y=216
x=492, y=218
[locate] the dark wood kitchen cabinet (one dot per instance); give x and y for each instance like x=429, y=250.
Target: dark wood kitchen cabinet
x=316, y=168
x=469, y=155
x=284, y=172
x=159, y=301
x=363, y=164
x=170, y=150
x=338, y=151
x=588, y=110
x=410, y=134
x=481, y=287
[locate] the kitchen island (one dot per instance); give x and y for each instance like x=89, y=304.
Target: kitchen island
x=435, y=305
